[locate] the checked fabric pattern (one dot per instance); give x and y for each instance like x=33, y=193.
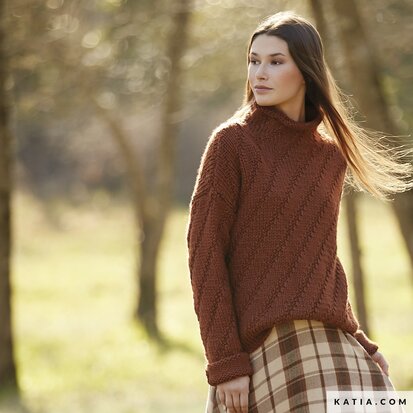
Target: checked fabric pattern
x=298, y=362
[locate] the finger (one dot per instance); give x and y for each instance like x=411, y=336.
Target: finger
x=383, y=364
x=236, y=402
x=221, y=397
x=377, y=357
x=384, y=368
x=228, y=403
x=244, y=402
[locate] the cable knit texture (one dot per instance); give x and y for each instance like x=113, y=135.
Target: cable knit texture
x=261, y=236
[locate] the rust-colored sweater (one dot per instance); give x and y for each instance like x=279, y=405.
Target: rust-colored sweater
x=261, y=236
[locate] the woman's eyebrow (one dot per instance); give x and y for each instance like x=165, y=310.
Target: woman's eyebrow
x=272, y=54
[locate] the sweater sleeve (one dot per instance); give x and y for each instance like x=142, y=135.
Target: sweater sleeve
x=369, y=345
x=212, y=212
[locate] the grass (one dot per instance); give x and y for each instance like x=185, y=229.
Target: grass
x=77, y=347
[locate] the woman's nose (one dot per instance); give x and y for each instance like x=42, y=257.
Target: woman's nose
x=260, y=72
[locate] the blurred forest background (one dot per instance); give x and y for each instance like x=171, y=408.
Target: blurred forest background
x=105, y=109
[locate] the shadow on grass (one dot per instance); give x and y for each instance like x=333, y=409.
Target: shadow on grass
x=11, y=402
x=166, y=344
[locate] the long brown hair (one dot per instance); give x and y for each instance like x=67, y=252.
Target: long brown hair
x=375, y=167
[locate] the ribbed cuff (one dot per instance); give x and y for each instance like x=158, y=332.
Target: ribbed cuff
x=229, y=368
x=369, y=345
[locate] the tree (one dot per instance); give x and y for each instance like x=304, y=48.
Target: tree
x=320, y=11
x=362, y=60
x=152, y=207
x=8, y=377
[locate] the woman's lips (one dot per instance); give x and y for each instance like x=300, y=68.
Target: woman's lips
x=262, y=89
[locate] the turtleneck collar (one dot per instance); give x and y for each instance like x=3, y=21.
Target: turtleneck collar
x=268, y=120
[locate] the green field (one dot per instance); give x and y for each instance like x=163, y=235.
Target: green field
x=78, y=350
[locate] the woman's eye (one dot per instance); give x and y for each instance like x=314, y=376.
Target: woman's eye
x=255, y=61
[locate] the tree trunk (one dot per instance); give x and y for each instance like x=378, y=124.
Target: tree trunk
x=358, y=274
x=147, y=307
x=8, y=377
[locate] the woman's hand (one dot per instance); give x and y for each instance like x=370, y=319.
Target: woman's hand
x=233, y=394
x=381, y=361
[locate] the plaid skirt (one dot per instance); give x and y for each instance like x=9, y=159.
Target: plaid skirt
x=298, y=362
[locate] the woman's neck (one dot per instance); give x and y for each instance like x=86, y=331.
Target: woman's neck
x=268, y=120
x=294, y=109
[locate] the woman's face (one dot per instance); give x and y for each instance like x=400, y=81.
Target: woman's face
x=278, y=72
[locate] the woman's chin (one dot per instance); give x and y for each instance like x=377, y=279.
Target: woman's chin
x=265, y=100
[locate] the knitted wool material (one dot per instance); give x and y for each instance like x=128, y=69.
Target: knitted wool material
x=261, y=236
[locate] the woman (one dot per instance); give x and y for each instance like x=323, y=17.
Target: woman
x=270, y=293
